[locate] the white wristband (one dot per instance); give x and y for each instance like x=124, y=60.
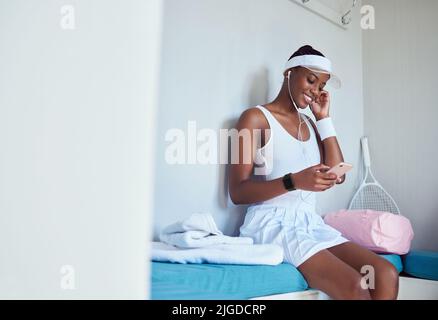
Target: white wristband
x=325, y=128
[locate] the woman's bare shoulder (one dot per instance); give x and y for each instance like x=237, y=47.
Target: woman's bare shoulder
x=252, y=118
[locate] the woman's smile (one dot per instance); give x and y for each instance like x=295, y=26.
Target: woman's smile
x=308, y=98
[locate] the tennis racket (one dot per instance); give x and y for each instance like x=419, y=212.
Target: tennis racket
x=371, y=195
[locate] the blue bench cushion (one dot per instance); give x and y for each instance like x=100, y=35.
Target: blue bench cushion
x=172, y=281
x=395, y=260
x=222, y=282
x=421, y=264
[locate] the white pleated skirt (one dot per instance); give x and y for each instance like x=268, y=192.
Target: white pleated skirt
x=301, y=233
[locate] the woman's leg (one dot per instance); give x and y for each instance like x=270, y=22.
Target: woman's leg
x=326, y=272
x=386, y=275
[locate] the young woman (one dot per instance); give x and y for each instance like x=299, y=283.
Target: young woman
x=291, y=161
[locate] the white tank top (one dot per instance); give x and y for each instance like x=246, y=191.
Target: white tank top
x=282, y=154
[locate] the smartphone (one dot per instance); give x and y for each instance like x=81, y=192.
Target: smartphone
x=341, y=169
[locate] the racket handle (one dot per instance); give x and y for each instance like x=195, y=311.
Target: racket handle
x=365, y=151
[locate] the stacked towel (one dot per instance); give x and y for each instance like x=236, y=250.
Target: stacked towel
x=198, y=240
x=256, y=254
x=198, y=231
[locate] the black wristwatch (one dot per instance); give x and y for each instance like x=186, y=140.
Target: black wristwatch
x=288, y=182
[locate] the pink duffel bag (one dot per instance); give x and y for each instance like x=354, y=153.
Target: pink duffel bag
x=381, y=232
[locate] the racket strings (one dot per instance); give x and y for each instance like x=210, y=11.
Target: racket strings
x=373, y=197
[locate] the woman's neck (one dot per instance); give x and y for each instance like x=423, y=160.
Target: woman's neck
x=282, y=103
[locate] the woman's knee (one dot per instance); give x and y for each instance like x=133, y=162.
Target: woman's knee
x=387, y=282
x=355, y=289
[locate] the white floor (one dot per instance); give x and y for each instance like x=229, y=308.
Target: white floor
x=417, y=289
x=409, y=289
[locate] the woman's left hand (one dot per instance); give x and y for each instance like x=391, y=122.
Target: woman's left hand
x=321, y=106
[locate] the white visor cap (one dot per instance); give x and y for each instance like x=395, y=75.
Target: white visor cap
x=316, y=64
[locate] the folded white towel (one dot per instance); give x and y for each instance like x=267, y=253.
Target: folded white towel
x=198, y=231
x=255, y=254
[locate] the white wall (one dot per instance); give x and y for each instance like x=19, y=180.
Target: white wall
x=222, y=57
x=401, y=109
x=76, y=115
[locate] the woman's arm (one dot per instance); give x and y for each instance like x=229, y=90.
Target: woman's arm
x=329, y=149
x=331, y=153
x=242, y=189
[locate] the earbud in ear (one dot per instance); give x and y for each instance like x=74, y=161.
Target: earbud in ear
x=288, y=74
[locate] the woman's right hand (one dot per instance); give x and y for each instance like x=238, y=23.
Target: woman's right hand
x=314, y=179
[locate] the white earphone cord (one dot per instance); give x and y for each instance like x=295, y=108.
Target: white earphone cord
x=300, y=137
